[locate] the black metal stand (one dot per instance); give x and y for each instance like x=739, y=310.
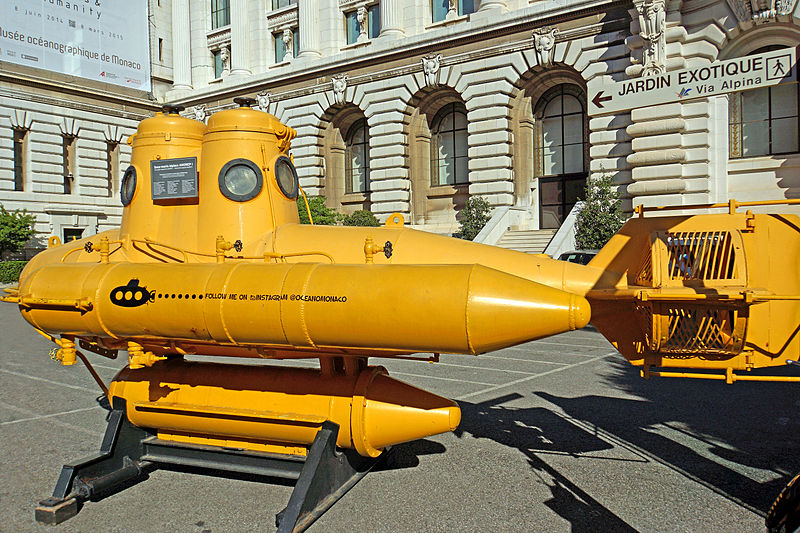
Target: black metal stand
x=127, y=453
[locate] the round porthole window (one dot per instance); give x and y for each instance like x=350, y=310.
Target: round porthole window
x=128, y=185
x=240, y=180
x=286, y=175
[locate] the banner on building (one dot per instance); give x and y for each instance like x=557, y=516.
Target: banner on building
x=102, y=40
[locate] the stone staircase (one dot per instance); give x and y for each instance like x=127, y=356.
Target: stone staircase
x=529, y=241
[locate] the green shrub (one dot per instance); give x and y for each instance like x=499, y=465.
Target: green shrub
x=10, y=271
x=321, y=213
x=361, y=217
x=601, y=216
x=473, y=217
x=15, y=229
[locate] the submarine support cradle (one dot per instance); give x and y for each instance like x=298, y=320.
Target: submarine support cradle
x=129, y=453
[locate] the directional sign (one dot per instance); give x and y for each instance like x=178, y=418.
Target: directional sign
x=720, y=77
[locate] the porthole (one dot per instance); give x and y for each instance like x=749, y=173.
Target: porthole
x=240, y=180
x=128, y=186
x=286, y=176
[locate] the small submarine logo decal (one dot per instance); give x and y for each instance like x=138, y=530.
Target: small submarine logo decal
x=131, y=295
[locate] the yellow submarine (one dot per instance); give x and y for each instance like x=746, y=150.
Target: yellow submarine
x=211, y=259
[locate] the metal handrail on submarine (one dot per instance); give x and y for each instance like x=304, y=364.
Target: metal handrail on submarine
x=704, y=294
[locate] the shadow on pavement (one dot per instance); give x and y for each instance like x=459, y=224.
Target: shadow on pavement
x=538, y=430
x=407, y=455
x=741, y=440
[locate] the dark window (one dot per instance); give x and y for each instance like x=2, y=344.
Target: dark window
x=439, y=8
x=112, y=166
x=220, y=13
x=449, y=146
x=219, y=65
x=764, y=121
x=560, y=152
x=72, y=234
x=277, y=4
x=68, y=161
x=19, y=158
x=160, y=49
x=357, y=158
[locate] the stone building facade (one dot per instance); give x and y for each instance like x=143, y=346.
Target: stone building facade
x=412, y=106
x=63, y=138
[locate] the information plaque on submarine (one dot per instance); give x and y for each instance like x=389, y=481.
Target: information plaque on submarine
x=174, y=178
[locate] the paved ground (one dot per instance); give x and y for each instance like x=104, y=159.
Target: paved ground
x=557, y=435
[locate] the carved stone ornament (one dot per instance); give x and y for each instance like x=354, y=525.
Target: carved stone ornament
x=339, y=85
x=112, y=134
x=652, y=30
x=452, y=10
x=200, y=112
x=263, y=99
x=544, y=40
x=225, y=56
x=21, y=120
x=287, y=44
x=69, y=127
x=217, y=38
x=431, y=64
x=361, y=17
x=761, y=11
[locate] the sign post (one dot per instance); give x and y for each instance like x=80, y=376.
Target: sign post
x=720, y=77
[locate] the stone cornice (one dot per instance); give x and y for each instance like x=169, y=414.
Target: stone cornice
x=415, y=49
x=349, y=5
x=147, y=106
x=219, y=37
x=282, y=19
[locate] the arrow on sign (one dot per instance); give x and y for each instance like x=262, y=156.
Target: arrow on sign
x=599, y=99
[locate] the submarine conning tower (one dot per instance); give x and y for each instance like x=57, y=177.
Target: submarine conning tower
x=166, y=137
x=189, y=183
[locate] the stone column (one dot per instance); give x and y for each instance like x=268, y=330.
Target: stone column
x=240, y=42
x=485, y=5
x=181, y=46
x=307, y=15
x=390, y=19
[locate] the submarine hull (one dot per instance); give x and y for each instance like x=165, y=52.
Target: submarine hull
x=305, y=306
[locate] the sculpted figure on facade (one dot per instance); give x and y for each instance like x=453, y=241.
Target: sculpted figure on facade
x=361, y=17
x=287, y=44
x=431, y=64
x=263, y=99
x=544, y=40
x=652, y=30
x=339, y=84
x=452, y=10
x=200, y=112
x=225, y=56
x=761, y=11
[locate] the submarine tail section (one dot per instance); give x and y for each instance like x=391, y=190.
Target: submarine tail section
x=703, y=293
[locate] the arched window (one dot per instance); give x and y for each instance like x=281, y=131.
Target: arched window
x=357, y=158
x=449, y=146
x=764, y=121
x=560, y=151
